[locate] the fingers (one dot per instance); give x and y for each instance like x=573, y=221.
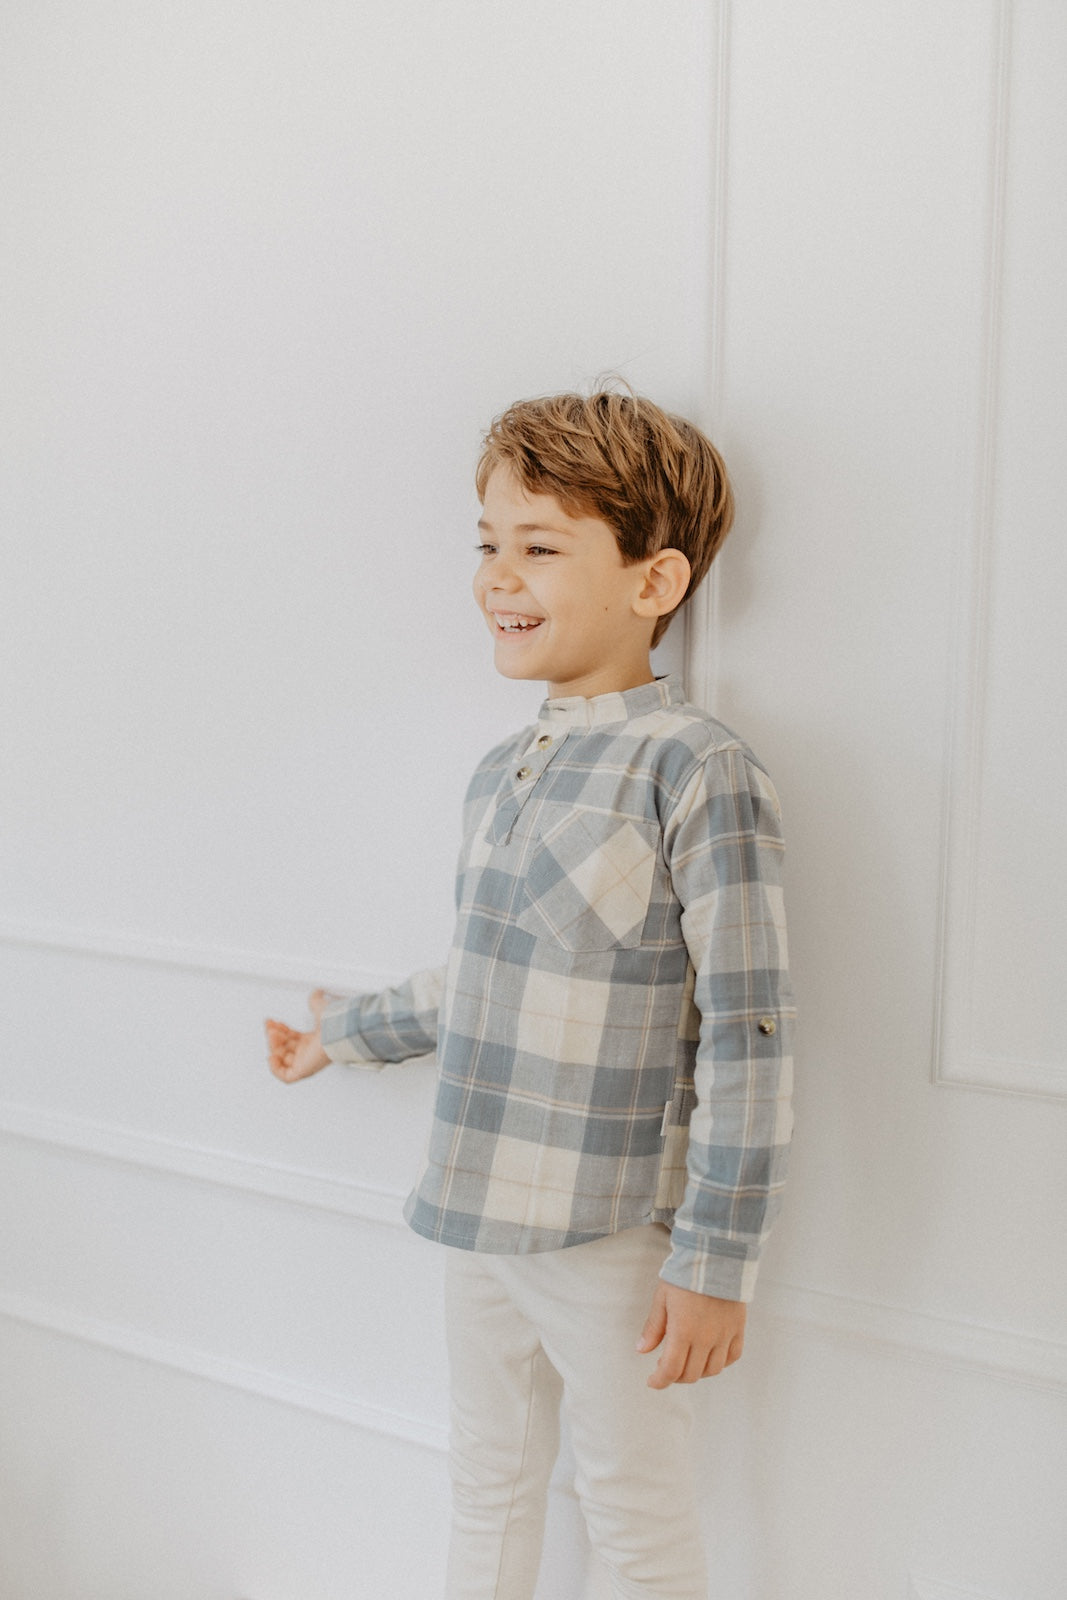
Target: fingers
x=281, y=1042
x=278, y=1035
x=292, y=1055
x=682, y=1362
x=685, y=1363
x=718, y=1359
x=669, y=1369
x=655, y=1324
x=700, y=1335
x=722, y=1356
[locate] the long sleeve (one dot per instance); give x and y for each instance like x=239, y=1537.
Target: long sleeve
x=724, y=848
x=372, y=1029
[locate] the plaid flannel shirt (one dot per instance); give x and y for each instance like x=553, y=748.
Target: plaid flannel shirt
x=613, y=1025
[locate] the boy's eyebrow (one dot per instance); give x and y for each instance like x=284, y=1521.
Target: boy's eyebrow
x=531, y=527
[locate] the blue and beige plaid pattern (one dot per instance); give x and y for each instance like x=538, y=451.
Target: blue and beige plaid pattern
x=613, y=1026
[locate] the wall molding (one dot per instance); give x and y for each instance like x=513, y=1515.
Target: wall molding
x=702, y=614
x=995, y=1354
x=80, y=1136
x=222, y=961
x=998, y=1354
x=955, y=975
x=958, y=1063
x=123, y=1340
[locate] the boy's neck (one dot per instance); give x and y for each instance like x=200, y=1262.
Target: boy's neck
x=611, y=681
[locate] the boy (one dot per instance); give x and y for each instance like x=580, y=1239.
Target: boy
x=612, y=1113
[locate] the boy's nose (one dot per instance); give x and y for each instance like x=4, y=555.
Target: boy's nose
x=503, y=576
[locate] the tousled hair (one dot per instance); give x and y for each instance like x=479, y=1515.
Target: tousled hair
x=652, y=477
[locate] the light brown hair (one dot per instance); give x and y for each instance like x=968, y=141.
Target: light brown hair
x=652, y=477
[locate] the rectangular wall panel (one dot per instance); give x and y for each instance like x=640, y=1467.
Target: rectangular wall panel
x=1006, y=943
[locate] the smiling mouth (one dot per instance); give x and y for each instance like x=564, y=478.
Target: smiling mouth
x=515, y=623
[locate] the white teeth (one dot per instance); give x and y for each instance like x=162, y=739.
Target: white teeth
x=517, y=624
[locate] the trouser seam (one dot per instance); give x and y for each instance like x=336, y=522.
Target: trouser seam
x=518, y=1475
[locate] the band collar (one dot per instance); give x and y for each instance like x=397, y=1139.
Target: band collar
x=576, y=711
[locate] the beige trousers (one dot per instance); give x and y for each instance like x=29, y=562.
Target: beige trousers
x=525, y=1333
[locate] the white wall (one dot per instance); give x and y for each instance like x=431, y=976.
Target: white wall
x=272, y=268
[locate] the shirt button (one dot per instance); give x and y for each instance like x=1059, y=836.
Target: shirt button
x=544, y=741
x=767, y=1025
x=523, y=772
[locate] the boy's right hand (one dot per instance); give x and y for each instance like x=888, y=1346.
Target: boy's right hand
x=293, y=1055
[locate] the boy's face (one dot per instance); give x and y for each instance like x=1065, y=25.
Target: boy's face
x=557, y=596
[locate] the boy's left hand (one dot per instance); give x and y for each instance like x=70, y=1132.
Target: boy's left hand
x=700, y=1335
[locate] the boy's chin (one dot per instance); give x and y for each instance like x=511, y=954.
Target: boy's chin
x=509, y=667
x=518, y=676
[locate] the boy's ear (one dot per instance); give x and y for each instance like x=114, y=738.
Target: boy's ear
x=666, y=578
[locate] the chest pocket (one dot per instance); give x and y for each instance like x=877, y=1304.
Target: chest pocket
x=590, y=879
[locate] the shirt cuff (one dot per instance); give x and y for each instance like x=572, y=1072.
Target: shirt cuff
x=344, y=1048
x=707, y=1271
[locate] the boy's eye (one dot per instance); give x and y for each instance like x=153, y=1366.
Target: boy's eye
x=531, y=550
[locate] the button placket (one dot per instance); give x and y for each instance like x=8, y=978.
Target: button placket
x=532, y=765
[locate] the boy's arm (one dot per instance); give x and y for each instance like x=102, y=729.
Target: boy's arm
x=371, y=1029
x=724, y=844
